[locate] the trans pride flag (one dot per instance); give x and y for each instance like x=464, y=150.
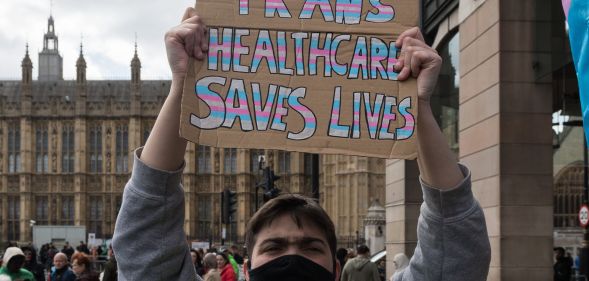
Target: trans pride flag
x=577, y=13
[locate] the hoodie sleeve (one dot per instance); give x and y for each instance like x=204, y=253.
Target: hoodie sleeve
x=453, y=244
x=149, y=240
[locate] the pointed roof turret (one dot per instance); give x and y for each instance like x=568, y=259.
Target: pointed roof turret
x=27, y=67
x=81, y=61
x=135, y=66
x=81, y=66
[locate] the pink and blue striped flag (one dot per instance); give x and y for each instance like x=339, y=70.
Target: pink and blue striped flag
x=577, y=13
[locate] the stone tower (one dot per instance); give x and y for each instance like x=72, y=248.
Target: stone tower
x=50, y=61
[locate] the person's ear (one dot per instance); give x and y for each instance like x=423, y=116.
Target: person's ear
x=338, y=269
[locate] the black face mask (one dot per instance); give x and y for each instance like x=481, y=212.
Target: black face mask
x=291, y=268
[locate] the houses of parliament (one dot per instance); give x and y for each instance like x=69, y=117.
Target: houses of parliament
x=66, y=153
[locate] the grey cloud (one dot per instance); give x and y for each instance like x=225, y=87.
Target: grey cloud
x=108, y=28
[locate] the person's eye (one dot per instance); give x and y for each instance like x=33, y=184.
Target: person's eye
x=272, y=249
x=315, y=249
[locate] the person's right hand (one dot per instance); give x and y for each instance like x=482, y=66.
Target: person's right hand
x=186, y=40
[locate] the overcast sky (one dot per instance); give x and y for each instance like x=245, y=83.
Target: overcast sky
x=108, y=28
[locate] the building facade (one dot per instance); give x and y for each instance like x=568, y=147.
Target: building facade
x=508, y=103
x=66, y=153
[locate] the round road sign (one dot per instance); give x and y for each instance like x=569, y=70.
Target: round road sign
x=584, y=215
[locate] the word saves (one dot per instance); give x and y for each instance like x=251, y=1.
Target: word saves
x=255, y=110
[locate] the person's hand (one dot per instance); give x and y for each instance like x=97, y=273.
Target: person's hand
x=184, y=41
x=419, y=60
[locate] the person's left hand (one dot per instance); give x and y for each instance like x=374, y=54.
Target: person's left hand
x=419, y=60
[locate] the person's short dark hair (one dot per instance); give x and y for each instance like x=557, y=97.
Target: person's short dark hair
x=300, y=208
x=363, y=250
x=560, y=250
x=341, y=255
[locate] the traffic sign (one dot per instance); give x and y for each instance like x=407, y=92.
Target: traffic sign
x=584, y=215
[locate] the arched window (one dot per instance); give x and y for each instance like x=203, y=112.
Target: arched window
x=122, y=149
x=67, y=149
x=14, y=148
x=95, y=144
x=41, y=147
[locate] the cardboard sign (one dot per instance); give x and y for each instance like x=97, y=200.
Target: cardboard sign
x=311, y=76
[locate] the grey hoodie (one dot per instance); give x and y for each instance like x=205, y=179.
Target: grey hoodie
x=360, y=269
x=150, y=242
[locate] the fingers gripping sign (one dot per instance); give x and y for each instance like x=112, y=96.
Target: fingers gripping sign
x=189, y=39
x=418, y=60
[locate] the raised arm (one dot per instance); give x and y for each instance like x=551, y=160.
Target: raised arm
x=149, y=239
x=165, y=148
x=437, y=164
x=453, y=242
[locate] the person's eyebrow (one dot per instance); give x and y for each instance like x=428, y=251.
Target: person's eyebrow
x=282, y=241
x=310, y=240
x=275, y=240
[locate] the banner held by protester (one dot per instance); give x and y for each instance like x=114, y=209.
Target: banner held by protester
x=311, y=76
x=577, y=13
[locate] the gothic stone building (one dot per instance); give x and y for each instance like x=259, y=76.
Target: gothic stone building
x=66, y=153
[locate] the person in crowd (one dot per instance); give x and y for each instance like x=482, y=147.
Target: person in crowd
x=197, y=262
x=292, y=231
x=341, y=254
x=83, y=268
x=562, y=265
x=225, y=267
x=110, y=267
x=43, y=254
x=12, y=265
x=60, y=270
x=360, y=268
x=400, y=262
x=51, y=252
x=68, y=250
x=382, y=268
x=232, y=261
x=351, y=254
x=83, y=248
x=235, y=253
x=32, y=265
x=210, y=268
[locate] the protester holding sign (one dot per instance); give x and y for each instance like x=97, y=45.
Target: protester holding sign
x=291, y=237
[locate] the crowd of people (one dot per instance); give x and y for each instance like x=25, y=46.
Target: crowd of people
x=49, y=264
x=223, y=264
x=227, y=264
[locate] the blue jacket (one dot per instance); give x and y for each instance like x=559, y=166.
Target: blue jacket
x=68, y=275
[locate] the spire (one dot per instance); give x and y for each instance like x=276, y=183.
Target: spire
x=135, y=66
x=81, y=66
x=27, y=67
x=50, y=61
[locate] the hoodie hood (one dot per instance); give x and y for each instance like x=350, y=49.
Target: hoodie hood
x=10, y=253
x=359, y=262
x=402, y=261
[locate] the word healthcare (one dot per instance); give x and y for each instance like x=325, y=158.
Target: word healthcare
x=311, y=76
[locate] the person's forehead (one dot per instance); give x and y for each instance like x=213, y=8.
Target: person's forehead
x=284, y=226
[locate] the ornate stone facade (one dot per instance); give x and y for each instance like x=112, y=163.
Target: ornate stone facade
x=66, y=152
